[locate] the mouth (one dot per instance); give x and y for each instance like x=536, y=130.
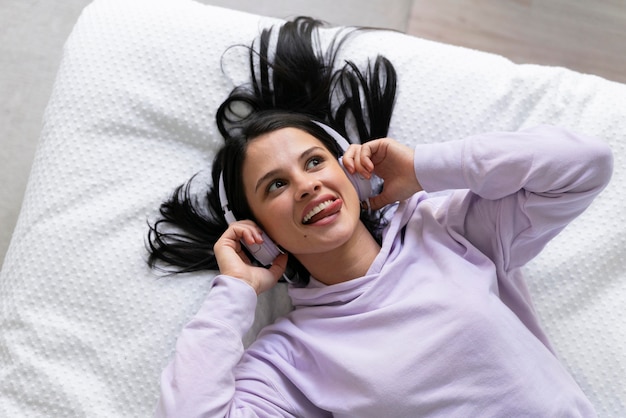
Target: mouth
x=322, y=210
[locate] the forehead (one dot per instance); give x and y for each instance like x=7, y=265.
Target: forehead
x=281, y=145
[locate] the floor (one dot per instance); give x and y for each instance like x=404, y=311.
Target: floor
x=587, y=36
x=583, y=35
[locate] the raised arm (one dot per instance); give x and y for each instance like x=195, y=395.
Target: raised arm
x=525, y=186
x=494, y=165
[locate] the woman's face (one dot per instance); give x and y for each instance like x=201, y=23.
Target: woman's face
x=299, y=193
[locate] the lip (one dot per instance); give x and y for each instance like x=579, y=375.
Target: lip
x=321, y=199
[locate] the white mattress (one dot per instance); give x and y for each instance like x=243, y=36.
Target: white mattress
x=86, y=327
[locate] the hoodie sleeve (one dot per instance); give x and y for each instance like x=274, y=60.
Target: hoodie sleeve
x=200, y=379
x=524, y=187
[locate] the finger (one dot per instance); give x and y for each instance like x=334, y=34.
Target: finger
x=361, y=162
x=264, y=279
x=250, y=236
x=229, y=247
x=377, y=151
x=365, y=161
x=348, y=158
x=279, y=265
x=247, y=231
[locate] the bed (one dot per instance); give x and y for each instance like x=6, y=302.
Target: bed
x=86, y=326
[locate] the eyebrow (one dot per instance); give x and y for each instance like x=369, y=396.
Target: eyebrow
x=273, y=173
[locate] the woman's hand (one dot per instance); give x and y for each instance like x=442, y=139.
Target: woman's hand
x=234, y=262
x=391, y=161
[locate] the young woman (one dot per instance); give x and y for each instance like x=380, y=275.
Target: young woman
x=424, y=315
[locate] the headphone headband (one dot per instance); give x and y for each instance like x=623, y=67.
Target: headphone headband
x=228, y=214
x=343, y=143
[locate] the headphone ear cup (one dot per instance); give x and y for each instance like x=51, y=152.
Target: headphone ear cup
x=264, y=253
x=365, y=188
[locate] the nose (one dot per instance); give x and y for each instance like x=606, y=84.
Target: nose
x=306, y=185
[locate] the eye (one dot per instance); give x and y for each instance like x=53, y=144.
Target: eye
x=275, y=185
x=314, y=162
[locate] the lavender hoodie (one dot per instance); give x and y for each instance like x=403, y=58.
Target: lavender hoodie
x=440, y=326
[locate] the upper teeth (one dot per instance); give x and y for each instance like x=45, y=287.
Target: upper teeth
x=317, y=209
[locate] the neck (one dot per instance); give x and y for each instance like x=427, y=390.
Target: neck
x=353, y=259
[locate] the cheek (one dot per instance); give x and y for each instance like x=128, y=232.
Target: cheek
x=277, y=221
x=272, y=216
x=351, y=196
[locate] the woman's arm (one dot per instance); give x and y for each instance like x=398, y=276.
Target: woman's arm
x=203, y=380
x=200, y=381
x=525, y=186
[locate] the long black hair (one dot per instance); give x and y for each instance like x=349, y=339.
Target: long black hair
x=292, y=84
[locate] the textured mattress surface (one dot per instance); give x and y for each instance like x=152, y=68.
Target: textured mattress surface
x=86, y=327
